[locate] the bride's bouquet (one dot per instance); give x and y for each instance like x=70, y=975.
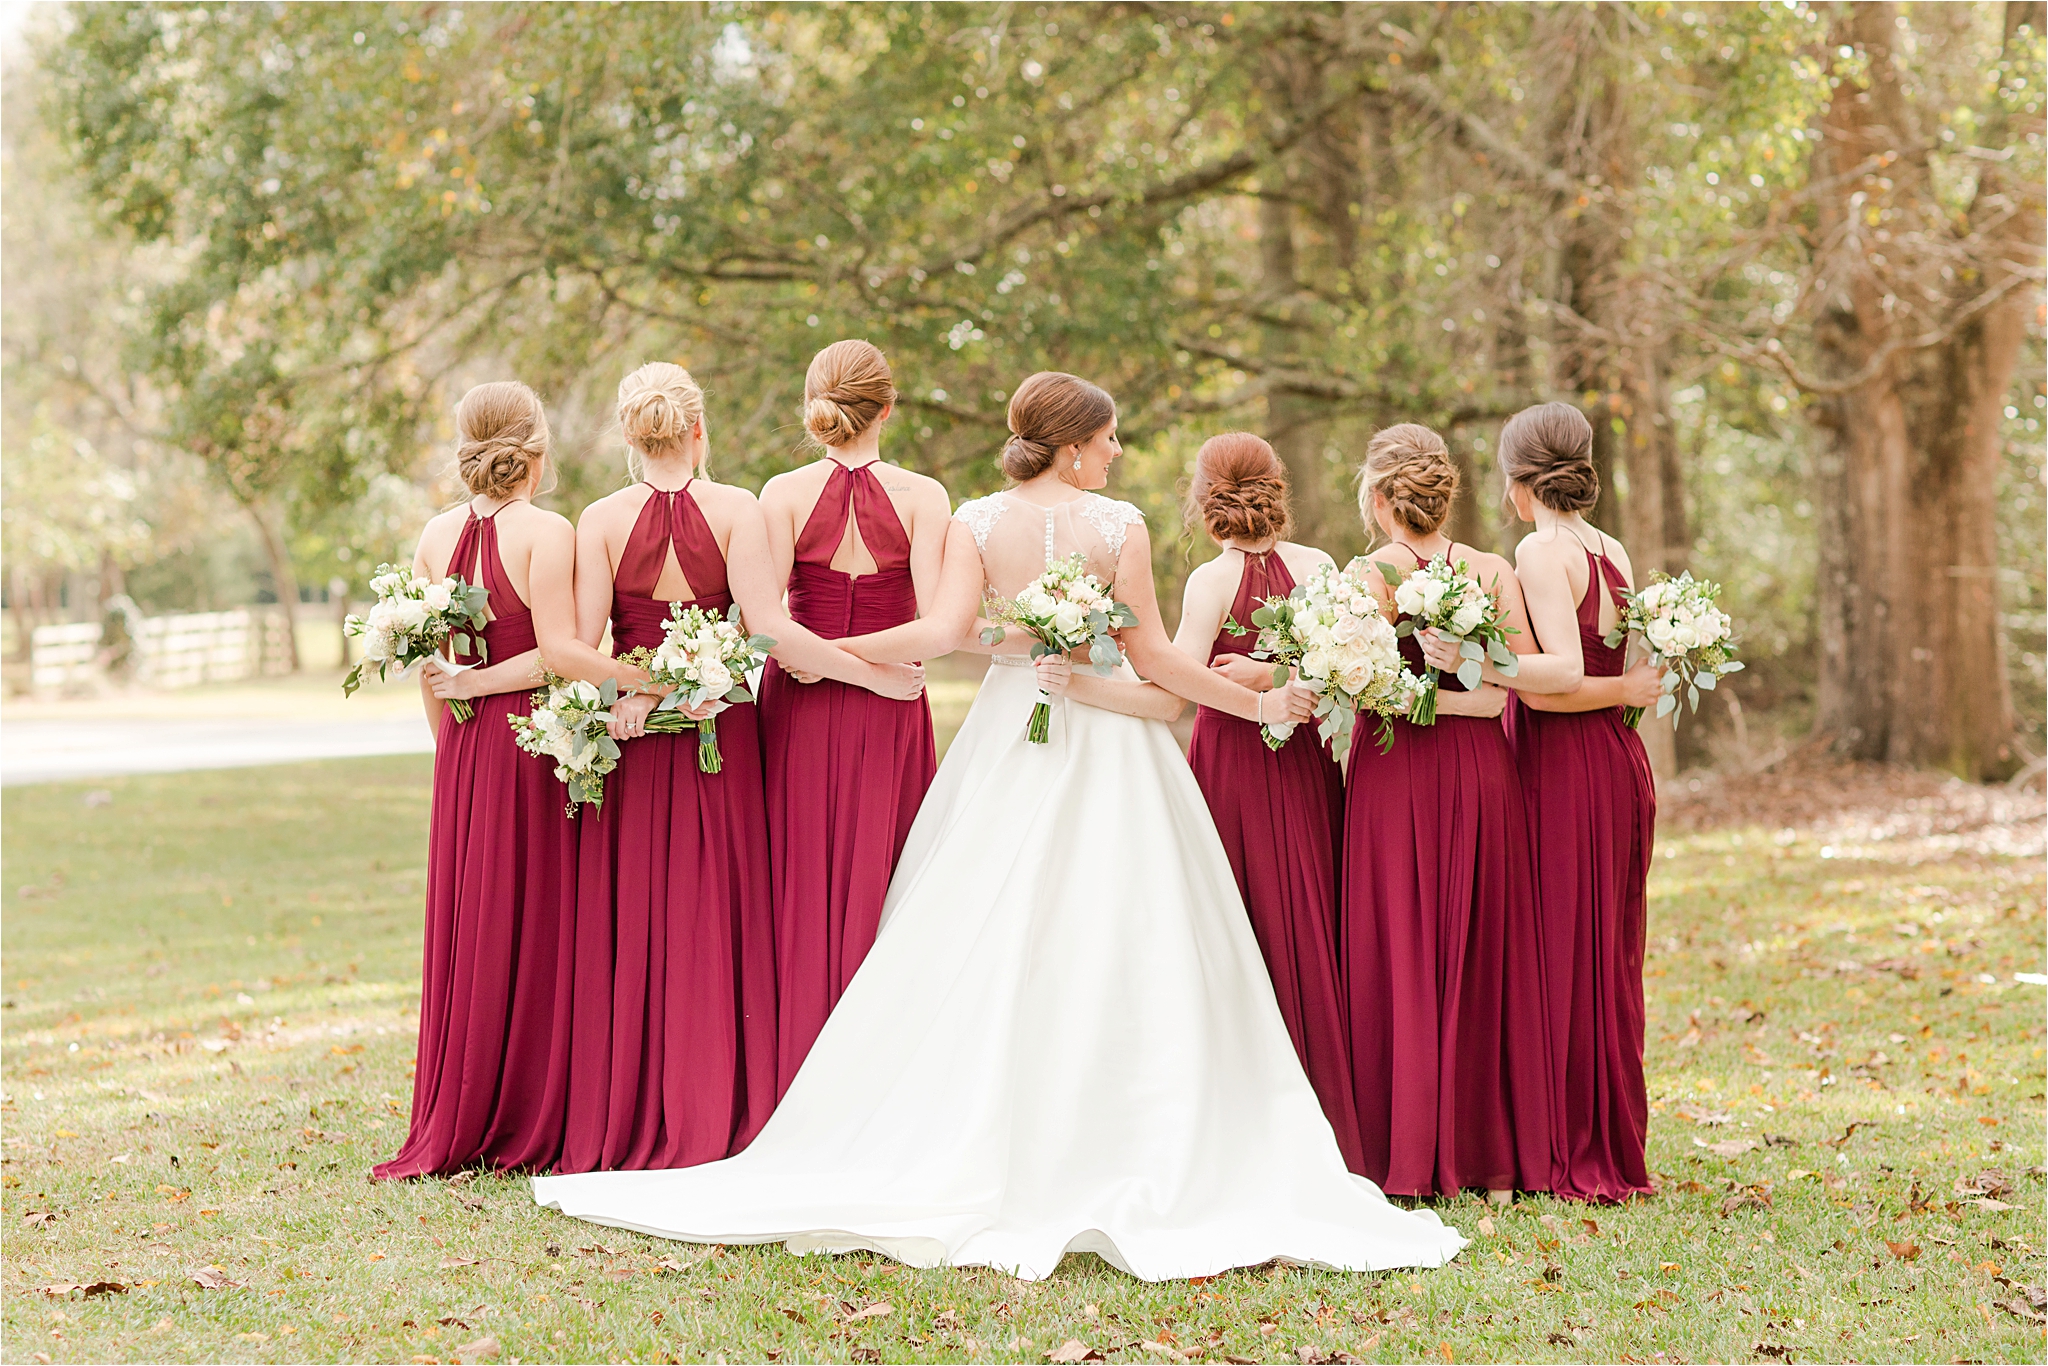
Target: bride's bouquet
x=412, y=620
x=1062, y=610
x=1331, y=631
x=703, y=658
x=1450, y=599
x=568, y=725
x=1688, y=634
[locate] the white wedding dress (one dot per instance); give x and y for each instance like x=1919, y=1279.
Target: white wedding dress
x=1064, y=1038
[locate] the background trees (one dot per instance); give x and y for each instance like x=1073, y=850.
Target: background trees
x=1740, y=236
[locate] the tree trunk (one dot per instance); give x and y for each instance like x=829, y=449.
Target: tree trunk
x=1912, y=661
x=1294, y=421
x=284, y=580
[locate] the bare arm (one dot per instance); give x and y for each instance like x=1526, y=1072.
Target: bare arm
x=552, y=588
x=594, y=574
x=1538, y=670
x=1127, y=696
x=950, y=621
x=1155, y=657
x=750, y=570
x=1641, y=686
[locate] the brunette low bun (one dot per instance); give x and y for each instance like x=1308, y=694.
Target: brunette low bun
x=1051, y=410
x=504, y=439
x=845, y=391
x=1548, y=450
x=1239, y=490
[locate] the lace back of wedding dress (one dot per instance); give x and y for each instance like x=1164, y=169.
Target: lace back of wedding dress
x=1018, y=539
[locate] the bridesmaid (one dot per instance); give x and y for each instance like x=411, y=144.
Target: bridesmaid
x=673, y=1035
x=1280, y=813
x=491, y=1075
x=1592, y=808
x=860, y=543
x=1438, y=921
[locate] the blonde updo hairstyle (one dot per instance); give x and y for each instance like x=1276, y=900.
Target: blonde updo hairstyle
x=1239, y=490
x=659, y=406
x=845, y=391
x=1411, y=467
x=504, y=439
x=1052, y=409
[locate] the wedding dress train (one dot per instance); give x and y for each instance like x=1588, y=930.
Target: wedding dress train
x=1064, y=1038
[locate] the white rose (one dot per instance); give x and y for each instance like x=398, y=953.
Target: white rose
x=1408, y=597
x=1316, y=664
x=1659, y=632
x=1356, y=677
x=1346, y=630
x=715, y=678
x=584, y=692
x=408, y=614
x=1467, y=617
x=437, y=597
x=1068, y=618
x=1321, y=637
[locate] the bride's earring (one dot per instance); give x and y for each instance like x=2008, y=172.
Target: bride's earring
x=1077, y=459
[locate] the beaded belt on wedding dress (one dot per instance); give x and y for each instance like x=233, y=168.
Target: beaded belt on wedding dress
x=1014, y=661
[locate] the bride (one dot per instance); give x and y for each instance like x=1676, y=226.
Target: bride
x=1064, y=1038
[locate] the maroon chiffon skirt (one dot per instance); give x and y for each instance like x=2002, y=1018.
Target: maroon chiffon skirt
x=673, y=1041
x=846, y=771
x=491, y=1076
x=1442, y=974
x=1592, y=818
x=1280, y=815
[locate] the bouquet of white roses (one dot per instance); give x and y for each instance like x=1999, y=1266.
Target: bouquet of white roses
x=1688, y=634
x=1450, y=599
x=412, y=619
x=703, y=658
x=1332, y=632
x=568, y=725
x=1063, y=609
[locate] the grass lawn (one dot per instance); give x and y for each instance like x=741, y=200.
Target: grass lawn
x=208, y=1014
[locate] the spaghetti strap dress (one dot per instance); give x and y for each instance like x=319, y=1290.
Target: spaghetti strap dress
x=1281, y=817
x=490, y=1079
x=673, y=1040
x=1442, y=977
x=1592, y=811
x=846, y=768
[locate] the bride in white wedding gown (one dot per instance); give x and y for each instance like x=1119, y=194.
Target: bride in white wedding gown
x=1064, y=1038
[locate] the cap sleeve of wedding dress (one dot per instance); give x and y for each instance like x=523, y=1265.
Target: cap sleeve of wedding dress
x=1064, y=1039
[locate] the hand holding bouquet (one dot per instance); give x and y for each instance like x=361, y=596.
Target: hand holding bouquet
x=704, y=659
x=1332, y=632
x=1450, y=600
x=1688, y=635
x=412, y=619
x=568, y=725
x=1062, y=610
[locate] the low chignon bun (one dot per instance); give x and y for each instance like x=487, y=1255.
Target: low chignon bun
x=1239, y=490
x=846, y=390
x=659, y=406
x=504, y=439
x=1410, y=466
x=1052, y=409
x=1548, y=449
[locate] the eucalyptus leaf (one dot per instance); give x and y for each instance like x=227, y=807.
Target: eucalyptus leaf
x=1468, y=673
x=1667, y=704
x=1705, y=678
x=1390, y=574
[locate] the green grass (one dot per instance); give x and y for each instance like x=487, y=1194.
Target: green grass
x=208, y=1003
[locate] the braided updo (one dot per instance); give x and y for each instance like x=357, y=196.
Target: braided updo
x=1052, y=409
x=1410, y=466
x=504, y=438
x=659, y=406
x=1239, y=491
x=1548, y=450
x=845, y=390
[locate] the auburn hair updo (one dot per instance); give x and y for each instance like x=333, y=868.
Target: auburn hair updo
x=845, y=391
x=1052, y=409
x=1548, y=450
x=504, y=438
x=1239, y=490
x=1410, y=466
x=659, y=406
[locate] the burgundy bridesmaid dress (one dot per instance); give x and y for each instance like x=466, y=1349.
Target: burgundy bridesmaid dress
x=491, y=1076
x=846, y=768
x=673, y=1040
x=1441, y=968
x=1281, y=814
x=1592, y=816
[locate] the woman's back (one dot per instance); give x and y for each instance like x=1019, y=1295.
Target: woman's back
x=1018, y=538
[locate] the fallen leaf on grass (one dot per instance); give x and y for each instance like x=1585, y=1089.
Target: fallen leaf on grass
x=1838, y=1142
x=1563, y=1340
x=874, y=1311
x=213, y=1278
x=1751, y=1199
x=1699, y=1114
x=1780, y=1141
x=1988, y=1203
x=1734, y=1147
x=37, y=1218
x=448, y=1263
x=1072, y=1350
x=1990, y=1184
x=1486, y=1225
x=1905, y=1252
x=483, y=1349
x=1771, y=1349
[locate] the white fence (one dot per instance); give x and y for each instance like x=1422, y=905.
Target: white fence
x=168, y=652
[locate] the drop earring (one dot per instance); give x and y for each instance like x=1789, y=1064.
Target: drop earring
x=1077, y=459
